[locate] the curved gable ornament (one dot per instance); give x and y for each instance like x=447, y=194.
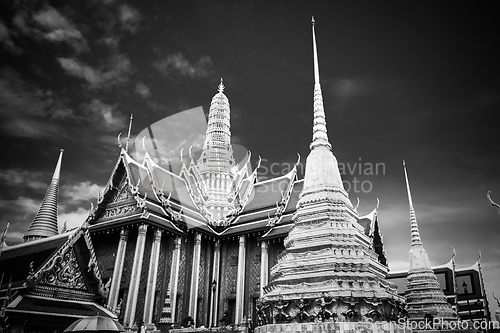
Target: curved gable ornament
x=494, y=204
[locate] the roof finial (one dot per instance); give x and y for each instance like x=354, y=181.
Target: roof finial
x=415, y=234
x=407, y=185
x=221, y=86
x=129, y=128
x=320, y=136
x=316, y=65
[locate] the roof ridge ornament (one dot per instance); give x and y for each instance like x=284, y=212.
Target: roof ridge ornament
x=221, y=87
x=415, y=234
x=320, y=136
x=129, y=129
x=494, y=204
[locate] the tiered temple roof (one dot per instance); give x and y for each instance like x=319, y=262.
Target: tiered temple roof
x=53, y=279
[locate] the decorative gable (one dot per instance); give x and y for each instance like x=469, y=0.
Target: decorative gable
x=63, y=271
x=123, y=193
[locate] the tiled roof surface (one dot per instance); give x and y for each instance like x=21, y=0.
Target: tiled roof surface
x=294, y=197
x=266, y=194
x=54, y=307
x=15, y=261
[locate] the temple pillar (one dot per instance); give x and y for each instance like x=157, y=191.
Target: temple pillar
x=174, y=275
x=195, y=274
x=114, y=290
x=151, y=284
x=135, y=278
x=215, y=291
x=264, y=267
x=240, y=282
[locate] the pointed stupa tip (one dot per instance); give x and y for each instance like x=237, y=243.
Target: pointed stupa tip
x=221, y=87
x=415, y=233
x=320, y=136
x=45, y=222
x=407, y=185
x=57, y=171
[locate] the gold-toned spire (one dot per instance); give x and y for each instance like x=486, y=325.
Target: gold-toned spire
x=221, y=87
x=415, y=234
x=45, y=222
x=320, y=136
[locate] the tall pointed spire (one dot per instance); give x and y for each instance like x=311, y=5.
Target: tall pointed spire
x=320, y=137
x=216, y=160
x=415, y=234
x=45, y=222
x=322, y=171
x=424, y=295
x=326, y=241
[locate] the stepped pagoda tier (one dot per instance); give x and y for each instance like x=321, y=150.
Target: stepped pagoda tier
x=425, y=296
x=330, y=268
x=45, y=222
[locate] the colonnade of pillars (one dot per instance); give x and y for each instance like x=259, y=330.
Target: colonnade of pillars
x=133, y=291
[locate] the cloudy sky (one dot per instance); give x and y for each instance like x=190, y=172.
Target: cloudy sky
x=414, y=80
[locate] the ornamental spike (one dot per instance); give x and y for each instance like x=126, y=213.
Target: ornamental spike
x=129, y=129
x=221, y=87
x=320, y=136
x=415, y=234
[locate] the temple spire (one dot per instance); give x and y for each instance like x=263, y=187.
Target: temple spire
x=216, y=160
x=424, y=295
x=221, y=86
x=415, y=234
x=320, y=137
x=45, y=222
x=315, y=52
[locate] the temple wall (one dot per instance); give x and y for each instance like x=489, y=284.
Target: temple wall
x=141, y=297
x=105, y=247
x=184, y=278
x=252, y=276
x=229, y=272
x=204, y=285
x=163, y=278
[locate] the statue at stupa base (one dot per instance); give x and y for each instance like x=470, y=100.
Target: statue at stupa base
x=328, y=307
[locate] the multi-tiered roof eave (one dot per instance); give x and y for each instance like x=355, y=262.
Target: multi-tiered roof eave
x=33, y=279
x=145, y=192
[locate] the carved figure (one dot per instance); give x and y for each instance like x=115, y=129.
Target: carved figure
x=302, y=316
x=324, y=314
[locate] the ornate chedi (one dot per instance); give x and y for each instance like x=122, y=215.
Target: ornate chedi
x=424, y=297
x=45, y=222
x=216, y=161
x=215, y=181
x=329, y=270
